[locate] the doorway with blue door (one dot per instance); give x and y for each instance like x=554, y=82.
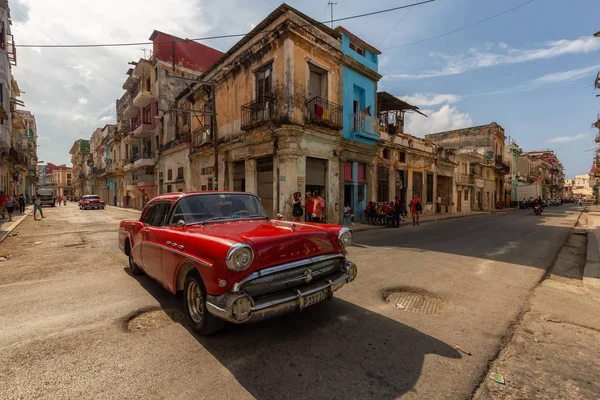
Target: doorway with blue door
x=355, y=189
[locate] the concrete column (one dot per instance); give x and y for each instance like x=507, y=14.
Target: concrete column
x=435, y=194
x=391, y=183
x=333, y=195
x=250, y=169
x=409, y=186
x=288, y=184
x=371, y=177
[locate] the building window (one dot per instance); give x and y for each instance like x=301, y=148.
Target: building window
x=169, y=175
x=430, y=188
x=386, y=154
x=207, y=171
x=361, y=172
x=357, y=49
x=169, y=188
x=402, y=157
x=156, y=73
x=466, y=195
x=317, y=83
x=264, y=81
x=348, y=172
x=180, y=173
x=210, y=184
x=203, y=188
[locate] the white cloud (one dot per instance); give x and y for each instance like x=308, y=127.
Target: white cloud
x=82, y=100
x=444, y=119
x=566, y=139
x=503, y=45
x=567, y=76
x=461, y=63
x=430, y=99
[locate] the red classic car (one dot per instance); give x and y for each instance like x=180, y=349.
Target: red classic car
x=91, y=201
x=231, y=261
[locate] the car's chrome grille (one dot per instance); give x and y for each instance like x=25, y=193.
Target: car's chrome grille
x=282, y=280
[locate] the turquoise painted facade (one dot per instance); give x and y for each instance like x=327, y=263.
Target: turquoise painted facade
x=360, y=92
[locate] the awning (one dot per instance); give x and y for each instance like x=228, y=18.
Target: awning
x=445, y=170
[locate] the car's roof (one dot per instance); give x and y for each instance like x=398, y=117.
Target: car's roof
x=178, y=195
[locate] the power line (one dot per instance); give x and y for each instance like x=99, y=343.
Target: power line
x=395, y=26
x=59, y=45
x=461, y=28
x=217, y=36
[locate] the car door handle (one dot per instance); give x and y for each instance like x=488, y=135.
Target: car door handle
x=174, y=244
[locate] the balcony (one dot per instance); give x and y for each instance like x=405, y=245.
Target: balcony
x=464, y=179
x=322, y=112
x=143, y=97
x=144, y=180
x=143, y=160
x=129, y=109
x=502, y=167
x=258, y=112
x=139, y=128
x=364, y=125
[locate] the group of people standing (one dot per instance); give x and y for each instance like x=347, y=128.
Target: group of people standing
x=392, y=212
x=314, y=207
x=9, y=202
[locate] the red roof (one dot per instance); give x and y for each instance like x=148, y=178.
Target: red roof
x=184, y=52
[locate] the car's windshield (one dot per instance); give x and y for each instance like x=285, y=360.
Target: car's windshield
x=91, y=197
x=204, y=207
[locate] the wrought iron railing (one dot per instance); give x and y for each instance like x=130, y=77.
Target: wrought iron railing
x=364, y=123
x=258, y=111
x=321, y=111
x=464, y=179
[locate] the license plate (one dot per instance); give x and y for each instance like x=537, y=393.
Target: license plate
x=316, y=297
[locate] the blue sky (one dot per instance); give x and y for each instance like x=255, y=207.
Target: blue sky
x=530, y=70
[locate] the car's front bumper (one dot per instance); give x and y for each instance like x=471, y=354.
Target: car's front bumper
x=240, y=308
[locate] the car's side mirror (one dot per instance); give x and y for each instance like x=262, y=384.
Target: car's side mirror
x=279, y=217
x=181, y=224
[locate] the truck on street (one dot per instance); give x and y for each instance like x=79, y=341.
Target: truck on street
x=46, y=197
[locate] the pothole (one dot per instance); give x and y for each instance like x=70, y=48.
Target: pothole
x=414, y=300
x=150, y=319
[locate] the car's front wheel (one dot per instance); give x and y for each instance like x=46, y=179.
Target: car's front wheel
x=194, y=304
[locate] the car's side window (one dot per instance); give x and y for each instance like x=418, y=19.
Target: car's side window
x=148, y=216
x=160, y=212
x=177, y=214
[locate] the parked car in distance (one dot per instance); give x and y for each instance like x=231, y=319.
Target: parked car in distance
x=231, y=261
x=91, y=202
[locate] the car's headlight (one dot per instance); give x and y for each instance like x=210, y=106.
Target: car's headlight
x=239, y=257
x=345, y=237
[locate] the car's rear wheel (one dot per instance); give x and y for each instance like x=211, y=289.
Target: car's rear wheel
x=133, y=267
x=194, y=305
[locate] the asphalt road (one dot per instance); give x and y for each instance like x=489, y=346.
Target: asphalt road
x=67, y=303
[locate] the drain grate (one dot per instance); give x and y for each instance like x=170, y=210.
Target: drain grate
x=420, y=303
x=146, y=320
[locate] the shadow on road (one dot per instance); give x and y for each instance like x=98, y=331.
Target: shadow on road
x=519, y=237
x=335, y=349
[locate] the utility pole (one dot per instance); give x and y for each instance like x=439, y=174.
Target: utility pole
x=331, y=4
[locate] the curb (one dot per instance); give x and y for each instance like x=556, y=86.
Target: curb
x=124, y=209
x=4, y=234
x=591, y=273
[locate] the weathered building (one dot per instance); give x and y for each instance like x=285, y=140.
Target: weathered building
x=512, y=152
x=145, y=139
x=550, y=173
x=277, y=98
x=485, y=144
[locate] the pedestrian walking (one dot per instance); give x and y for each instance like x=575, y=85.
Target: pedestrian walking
x=397, y=212
x=309, y=206
x=319, y=206
x=415, y=209
x=37, y=206
x=297, y=207
x=21, y=203
x=60, y=200
x=438, y=204
x=10, y=206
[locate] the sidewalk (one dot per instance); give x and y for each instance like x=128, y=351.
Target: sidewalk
x=6, y=228
x=591, y=273
x=552, y=349
x=360, y=227
x=133, y=210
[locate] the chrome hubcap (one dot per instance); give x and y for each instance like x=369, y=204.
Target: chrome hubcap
x=194, y=302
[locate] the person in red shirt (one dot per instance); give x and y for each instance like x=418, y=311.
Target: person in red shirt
x=319, y=206
x=309, y=206
x=415, y=209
